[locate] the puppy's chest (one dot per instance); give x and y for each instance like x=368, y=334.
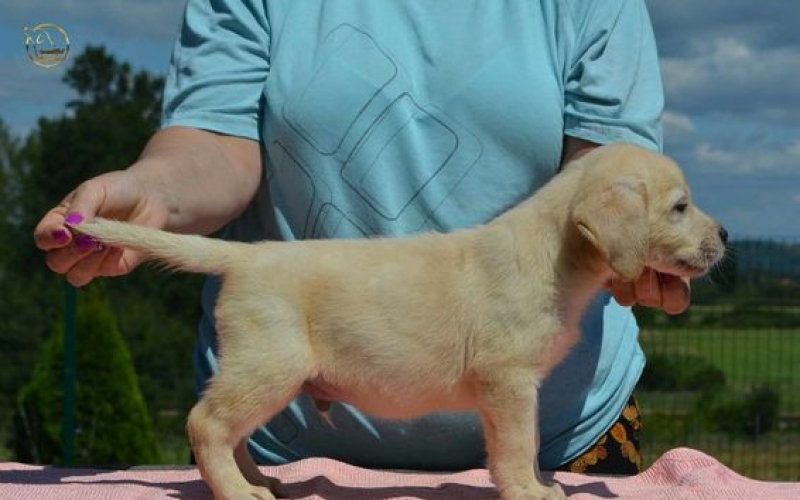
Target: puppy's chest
x=549, y=337
x=558, y=346
x=565, y=326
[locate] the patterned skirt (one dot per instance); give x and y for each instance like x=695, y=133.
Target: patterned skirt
x=617, y=452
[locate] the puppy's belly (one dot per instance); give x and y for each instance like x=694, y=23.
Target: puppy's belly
x=380, y=400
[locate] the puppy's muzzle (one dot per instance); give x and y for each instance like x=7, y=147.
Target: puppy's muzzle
x=723, y=235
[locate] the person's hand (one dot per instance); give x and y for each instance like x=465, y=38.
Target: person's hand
x=117, y=195
x=654, y=289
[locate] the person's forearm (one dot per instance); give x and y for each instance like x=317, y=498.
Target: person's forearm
x=204, y=179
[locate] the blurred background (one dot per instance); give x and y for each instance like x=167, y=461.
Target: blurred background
x=723, y=378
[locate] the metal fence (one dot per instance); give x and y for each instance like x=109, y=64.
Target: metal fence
x=724, y=377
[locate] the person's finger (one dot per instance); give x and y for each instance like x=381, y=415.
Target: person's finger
x=81, y=204
x=623, y=292
x=88, y=200
x=85, y=269
x=61, y=260
x=647, y=289
x=50, y=232
x=676, y=294
x=118, y=262
x=86, y=259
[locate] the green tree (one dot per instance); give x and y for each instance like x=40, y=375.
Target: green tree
x=113, y=426
x=724, y=274
x=100, y=80
x=115, y=112
x=9, y=150
x=11, y=158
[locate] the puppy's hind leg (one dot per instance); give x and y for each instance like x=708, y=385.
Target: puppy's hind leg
x=254, y=383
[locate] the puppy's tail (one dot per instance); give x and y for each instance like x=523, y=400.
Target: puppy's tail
x=177, y=251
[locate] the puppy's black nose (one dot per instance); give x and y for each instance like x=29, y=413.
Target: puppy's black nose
x=723, y=234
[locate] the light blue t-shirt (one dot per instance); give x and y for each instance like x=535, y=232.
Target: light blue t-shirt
x=392, y=117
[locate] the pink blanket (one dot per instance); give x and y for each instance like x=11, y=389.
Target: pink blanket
x=680, y=474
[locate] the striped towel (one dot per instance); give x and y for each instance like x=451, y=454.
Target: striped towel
x=680, y=474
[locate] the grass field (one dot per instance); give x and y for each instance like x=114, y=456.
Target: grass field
x=775, y=457
x=749, y=358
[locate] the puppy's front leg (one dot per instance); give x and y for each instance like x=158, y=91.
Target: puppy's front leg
x=508, y=407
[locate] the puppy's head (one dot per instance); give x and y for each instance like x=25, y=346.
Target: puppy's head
x=635, y=208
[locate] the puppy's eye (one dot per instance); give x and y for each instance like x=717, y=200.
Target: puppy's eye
x=680, y=207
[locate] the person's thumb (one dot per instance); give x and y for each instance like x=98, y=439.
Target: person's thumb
x=86, y=201
x=81, y=204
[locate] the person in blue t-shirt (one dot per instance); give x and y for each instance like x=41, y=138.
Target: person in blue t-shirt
x=341, y=119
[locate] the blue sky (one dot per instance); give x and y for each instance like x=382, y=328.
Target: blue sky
x=731, y=72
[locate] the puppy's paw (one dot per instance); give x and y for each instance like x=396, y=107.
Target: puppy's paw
x=555, y=492
x=252, y=493
x=536, y=492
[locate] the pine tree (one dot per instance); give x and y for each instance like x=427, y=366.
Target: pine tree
x=112, y=424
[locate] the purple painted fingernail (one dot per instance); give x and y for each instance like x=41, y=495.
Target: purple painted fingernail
x=85, y=242
x=74, y=219
x=60, y=235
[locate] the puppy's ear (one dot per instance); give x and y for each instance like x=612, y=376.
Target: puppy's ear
x=615, y=221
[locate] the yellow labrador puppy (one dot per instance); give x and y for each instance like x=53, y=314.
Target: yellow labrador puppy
x=472, y=320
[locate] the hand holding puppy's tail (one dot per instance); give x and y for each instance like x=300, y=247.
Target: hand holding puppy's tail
x=184, y=252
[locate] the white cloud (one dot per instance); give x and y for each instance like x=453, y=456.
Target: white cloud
x=707, y=154
x=760, y=158
x=794, y=151
x=676, y=124
x=725, y=74
x=728, y=51
x=680, y=24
